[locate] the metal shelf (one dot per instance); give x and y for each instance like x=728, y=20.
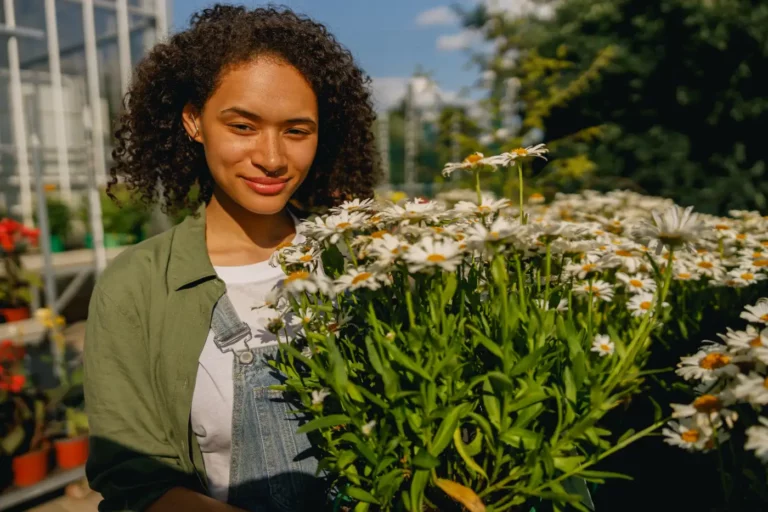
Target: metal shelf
x=55, y=480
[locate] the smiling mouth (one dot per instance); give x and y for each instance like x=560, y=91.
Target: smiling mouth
x=266, y=186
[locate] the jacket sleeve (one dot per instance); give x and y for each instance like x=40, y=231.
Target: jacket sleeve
x=131, y=462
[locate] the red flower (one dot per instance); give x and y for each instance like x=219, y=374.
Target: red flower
x=17, y=383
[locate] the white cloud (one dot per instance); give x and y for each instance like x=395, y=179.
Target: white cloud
x=458, y=41
x=442, y=15
x=389, y=91
x=518, y=8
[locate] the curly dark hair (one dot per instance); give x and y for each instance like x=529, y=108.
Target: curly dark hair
x=153, y=154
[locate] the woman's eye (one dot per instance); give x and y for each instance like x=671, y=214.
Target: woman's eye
x=241, y=127
x=297, y=132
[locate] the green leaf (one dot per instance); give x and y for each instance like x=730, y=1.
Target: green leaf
x=359, y=494
x=528, y=400
x=570, y=386
x=323, y=422
x=354, y=393
x=501, y=379
x=418, y=484
x=474, y=446
x=405, y=361
x=520, y=438
x=464, y=454
x=362, y=506
x=373, y=398
x=449, y=288
x=425, y=460
x=592, y=475
x=445, y=431
x=527, y=362
x=491, y=404
x=492, y=347
x=387, y=484
x=346, y=458
x=373, y=356
x=567, y=464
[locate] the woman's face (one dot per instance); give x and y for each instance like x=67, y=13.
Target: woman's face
x=260, y=131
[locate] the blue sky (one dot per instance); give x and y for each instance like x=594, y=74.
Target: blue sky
x=389, y=38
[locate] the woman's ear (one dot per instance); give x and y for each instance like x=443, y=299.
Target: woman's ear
x=190, y=117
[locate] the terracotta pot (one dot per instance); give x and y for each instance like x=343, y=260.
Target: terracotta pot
x=14, y=314
x=30, y=468
x=71, y=453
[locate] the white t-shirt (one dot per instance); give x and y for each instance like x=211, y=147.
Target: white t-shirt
x=247, y=287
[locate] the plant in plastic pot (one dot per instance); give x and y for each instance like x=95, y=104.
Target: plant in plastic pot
x=15, y=283
x=59, y=223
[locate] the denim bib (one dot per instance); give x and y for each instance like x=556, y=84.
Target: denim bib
x=272, y=468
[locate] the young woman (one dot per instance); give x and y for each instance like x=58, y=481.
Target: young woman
x=256, y=109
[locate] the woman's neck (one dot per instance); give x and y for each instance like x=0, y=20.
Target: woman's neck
x=236, y=236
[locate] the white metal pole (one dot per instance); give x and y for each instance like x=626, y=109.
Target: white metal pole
x=54, y=63
x=17, y=113
x=123, y=45
x=410, y=140
x=384, y=147
x=94, y=97
x=161, y=20
x=94, y=197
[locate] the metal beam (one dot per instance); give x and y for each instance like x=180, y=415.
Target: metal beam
x=72, y=288
x=31, y=33
x=17, y=113
x=110, y=6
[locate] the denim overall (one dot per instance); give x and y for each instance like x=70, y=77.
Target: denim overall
x=272, y=468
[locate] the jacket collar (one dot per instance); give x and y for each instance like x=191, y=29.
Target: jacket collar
x=189, y=262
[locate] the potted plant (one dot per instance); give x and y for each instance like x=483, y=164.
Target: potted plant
x=124, y=220
x=15, y=283
x=59, y=223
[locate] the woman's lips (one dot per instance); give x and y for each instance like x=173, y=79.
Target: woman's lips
x=266, y=186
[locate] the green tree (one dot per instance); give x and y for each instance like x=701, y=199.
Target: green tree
x=671, y=94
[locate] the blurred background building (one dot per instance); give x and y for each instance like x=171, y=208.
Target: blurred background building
x=64, y=66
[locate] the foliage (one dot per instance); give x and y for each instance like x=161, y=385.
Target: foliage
x=681, y=100
x=15, y=283
x=59, y=217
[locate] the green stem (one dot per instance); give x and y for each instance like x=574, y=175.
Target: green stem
x=351, y=252
x=548, y=272
x=520, y=181
x=520, y=282
x=477, y=188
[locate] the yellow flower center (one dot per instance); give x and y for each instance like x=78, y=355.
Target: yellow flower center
x=756, y=342
x=707, y=404
x=605, y=347
x=435, y=258
x=520, y=152
x=283, y=245
x=760, y=263
x=536, y=196
x=645, y=305
x=757, y=255
x=690, y=436
x=473, y=158
x=765, y=383
x=588, y=267
x=741, y=236
x=595, y=290
x=437, y=229
x=636, y=283
x=362, y=276
x=375, y=219
x=483, y=208
x=684, y=275
x=747, y=276
x=378, y=234
x=764, y=318
x=702, y=251
x=705, y=264
x=343, y=225
x=296, y=276
x=494, y=235
x=721, y=227
x=306, y=258
x=714, y=360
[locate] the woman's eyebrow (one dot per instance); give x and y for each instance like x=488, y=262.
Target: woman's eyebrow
x=256, y=117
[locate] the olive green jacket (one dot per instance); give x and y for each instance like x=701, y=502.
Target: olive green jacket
x=148, y=321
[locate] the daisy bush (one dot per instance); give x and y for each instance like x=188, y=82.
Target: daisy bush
x=467, y=355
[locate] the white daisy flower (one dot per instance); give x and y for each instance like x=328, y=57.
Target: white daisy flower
x=752, y=388
x=757, y=313
x=355, y=205
x=675, y=227
x=709, y=265
x=487, y=207
x=603, y=345
x=626, y=256
x=334, y=226
x=745, y=277
x=507, y=159
x=303, y=281
x=536, y=198
x=583, y=269
x=599, y=290
x=319, y=396
x=478, y=234
x=430, y=253
x=306, y=256
x=368, y=428
x=688, y=435
x=757, y=439
x=749, y=339
x=474, y=162
x=561, y=306
x=413, y=211
x=637, y=283
x=707, y=364
x=706, y=408
x=641, y=304
x=357, y=278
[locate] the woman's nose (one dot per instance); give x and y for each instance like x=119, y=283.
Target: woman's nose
x=270, y=152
